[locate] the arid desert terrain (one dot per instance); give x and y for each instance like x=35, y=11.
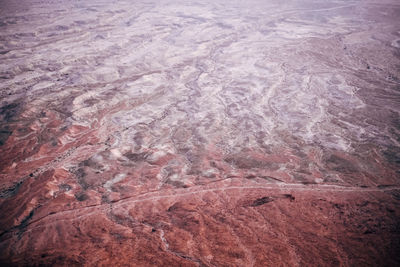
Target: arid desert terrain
x=199, y=133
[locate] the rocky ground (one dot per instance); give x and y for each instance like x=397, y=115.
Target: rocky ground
x=208, y=133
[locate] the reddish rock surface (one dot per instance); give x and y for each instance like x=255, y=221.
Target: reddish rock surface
x=216, y=133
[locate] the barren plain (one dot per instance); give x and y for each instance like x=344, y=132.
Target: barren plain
x=199, y=133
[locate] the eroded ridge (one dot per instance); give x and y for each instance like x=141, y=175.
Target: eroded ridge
x=211, y=133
